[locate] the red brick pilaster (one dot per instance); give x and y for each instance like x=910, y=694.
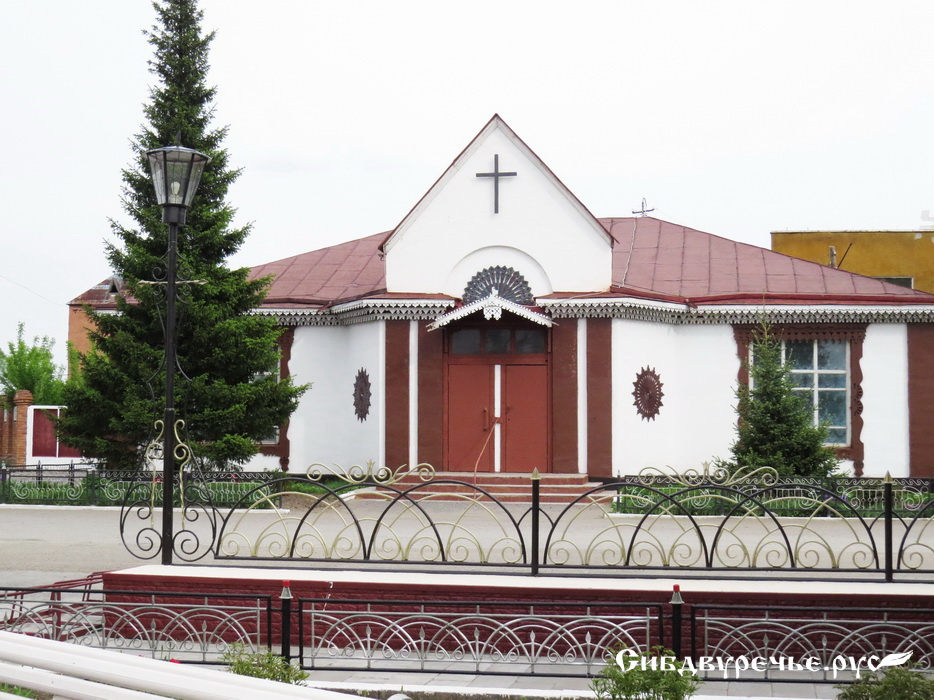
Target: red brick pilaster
x=22, y=400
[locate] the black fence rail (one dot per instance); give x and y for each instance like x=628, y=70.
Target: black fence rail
x=640, y=523
x=648, y=522
x=86, y=483
x=528, y=638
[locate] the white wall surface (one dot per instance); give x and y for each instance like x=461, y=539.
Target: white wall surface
x=562, y=247
x=697, y=366
x=325, y=428
x=885, y=400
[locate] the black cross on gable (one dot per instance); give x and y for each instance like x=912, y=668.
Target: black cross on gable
x=496, y=175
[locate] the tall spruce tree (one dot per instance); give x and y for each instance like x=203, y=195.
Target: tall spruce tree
x=776, y=427
x=234, y=397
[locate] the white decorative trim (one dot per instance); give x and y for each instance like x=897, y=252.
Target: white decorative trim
x=683, y=314
x=441, y=312
x=361, y=311
x=492, y=307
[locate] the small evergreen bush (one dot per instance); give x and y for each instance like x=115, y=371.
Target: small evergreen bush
x=776, y=426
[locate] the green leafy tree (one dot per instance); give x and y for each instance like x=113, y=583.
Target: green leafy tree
x=234, y=397
x=31, y=367
x=776, y=426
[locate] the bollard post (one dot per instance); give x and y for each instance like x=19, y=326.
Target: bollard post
x=286, y=598
x=677, y=602
x=888, y=501
x=536, y=505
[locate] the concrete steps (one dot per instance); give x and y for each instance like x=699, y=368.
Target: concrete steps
x=505, y=487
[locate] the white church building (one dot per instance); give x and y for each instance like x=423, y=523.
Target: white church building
x=501, y=326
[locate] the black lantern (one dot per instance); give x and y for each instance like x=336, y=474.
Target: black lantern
x=176, y=172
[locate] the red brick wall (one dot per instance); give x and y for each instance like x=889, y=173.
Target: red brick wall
x=203, y=588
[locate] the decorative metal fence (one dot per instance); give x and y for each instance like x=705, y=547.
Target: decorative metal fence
x=808, y=645
x=514, y=639
x=182, y=626
x=528, y=638
x=85, y=483
x=710, y=520
x=654, y=521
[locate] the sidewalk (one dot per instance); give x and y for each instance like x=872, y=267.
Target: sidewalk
x=450, y=687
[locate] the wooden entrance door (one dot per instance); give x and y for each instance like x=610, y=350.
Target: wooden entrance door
x=525, y=418
x=497, y=413
x=470, y=424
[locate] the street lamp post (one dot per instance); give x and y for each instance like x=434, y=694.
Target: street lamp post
x=176, y=172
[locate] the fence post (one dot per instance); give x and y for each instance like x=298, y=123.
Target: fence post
x=888, y=502
x=677, y=602
x=286, y=645
x=3, y=482
x=536, y=512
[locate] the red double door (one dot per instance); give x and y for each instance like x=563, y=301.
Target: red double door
x=497, y=416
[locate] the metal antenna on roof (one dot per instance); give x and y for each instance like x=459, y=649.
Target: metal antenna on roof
x=643, y=211
x=840, y=264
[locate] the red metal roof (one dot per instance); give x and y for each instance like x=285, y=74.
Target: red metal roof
x=340, y=273
x=661, y=258
x=652, y=259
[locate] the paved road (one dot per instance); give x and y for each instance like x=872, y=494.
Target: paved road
x=44, y=544
x=40, y=545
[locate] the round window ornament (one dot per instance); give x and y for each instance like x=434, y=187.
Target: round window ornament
x=648, y=393
x=361, y=395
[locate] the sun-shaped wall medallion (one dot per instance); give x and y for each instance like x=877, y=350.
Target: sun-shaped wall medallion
x=508, y=283
x=648, y=393
x=361, y=395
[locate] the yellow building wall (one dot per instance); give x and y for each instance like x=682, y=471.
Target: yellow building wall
x=871, y=253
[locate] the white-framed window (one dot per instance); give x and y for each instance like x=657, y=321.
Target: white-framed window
x=900, y=281
x=820, y=372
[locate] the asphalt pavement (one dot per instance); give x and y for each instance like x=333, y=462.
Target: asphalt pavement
x=40, y=545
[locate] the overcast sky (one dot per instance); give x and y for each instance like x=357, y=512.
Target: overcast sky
x=736, y=118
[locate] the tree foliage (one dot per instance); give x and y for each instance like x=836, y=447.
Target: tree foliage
x=645, y=678
x=234, y=397
x=262, y=664
x=31, y=367
x=776, y=426
x=895, y=682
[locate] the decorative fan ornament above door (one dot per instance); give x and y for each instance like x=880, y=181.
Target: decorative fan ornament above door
x=508, y=283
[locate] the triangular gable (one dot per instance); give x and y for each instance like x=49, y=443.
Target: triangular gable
x=540, y=228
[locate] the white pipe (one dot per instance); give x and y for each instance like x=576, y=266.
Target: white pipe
x=146, y=675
